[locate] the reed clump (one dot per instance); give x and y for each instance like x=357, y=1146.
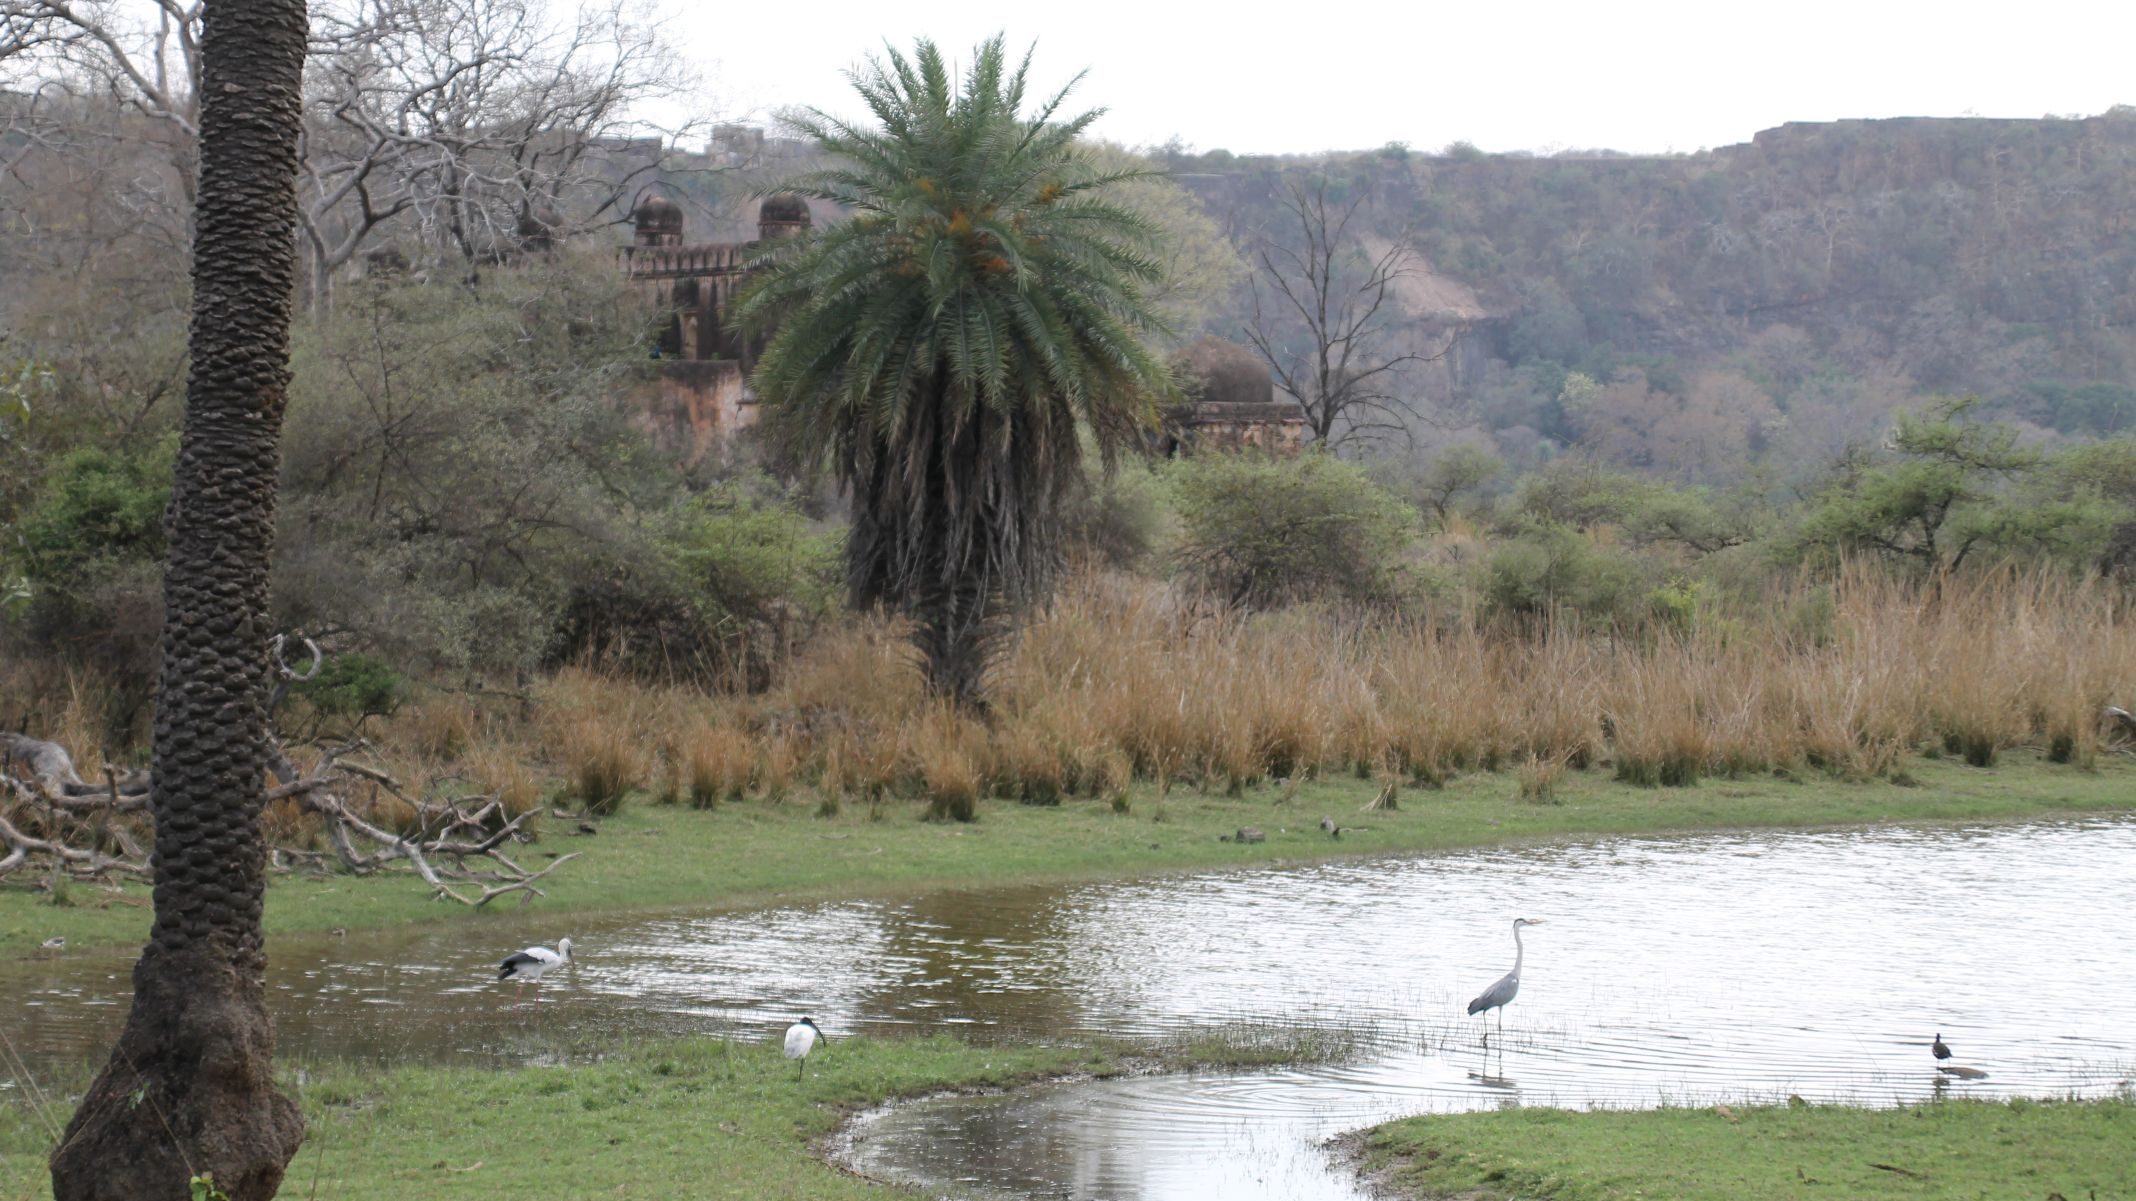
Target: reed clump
x=598, y=730
x=1126, y=680
x=719, y=763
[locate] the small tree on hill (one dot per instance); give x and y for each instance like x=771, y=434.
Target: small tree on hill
x=1323, y=309
x=1925, y=498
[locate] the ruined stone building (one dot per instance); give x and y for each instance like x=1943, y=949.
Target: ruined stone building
x=1230, y=404
x=702, y=400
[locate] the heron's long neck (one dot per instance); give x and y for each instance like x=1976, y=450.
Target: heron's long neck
x=1520, y=952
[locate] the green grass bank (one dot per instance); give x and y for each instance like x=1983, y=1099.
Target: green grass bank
x=693, y=1118
x=1947, y=1151
x=753, y=853
x=698, y=1118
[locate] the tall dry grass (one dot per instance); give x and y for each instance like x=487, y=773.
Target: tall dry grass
x=1122, y=670
x=1127, y=680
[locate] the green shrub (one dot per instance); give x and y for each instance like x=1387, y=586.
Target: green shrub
x=1118, y=521
x=354, y=685
x=460, y=459
x=756, y=573
x=1677, y=605
x=91, y=553
x=1265, y=531
x=1549, y=566
x=97, y=504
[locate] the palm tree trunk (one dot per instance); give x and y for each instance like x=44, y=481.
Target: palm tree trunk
x=189, y=1089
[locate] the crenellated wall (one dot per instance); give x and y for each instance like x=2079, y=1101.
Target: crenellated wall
x=702, y=398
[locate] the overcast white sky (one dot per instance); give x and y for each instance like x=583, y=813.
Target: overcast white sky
x=1509, y=75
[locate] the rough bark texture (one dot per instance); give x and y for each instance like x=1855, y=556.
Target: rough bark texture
x=189, y=1089
x=956, y=523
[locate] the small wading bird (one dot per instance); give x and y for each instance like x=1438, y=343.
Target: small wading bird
x=801, y=1039
x=1937, y=1048
x=1508, y=986
x=528, y=966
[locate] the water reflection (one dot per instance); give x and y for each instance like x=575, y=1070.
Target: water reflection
x=1669, y=970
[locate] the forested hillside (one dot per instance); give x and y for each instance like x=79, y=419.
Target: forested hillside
x=1766, y=302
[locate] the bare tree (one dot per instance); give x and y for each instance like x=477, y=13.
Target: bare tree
x=490, y=124
x=1322, y=306
x=92, y=239
x=468, y=128
x=148, y=60
x=188, y=1092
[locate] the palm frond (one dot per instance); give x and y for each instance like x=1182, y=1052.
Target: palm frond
x=941, y=349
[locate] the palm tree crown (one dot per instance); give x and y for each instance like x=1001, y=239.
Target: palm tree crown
x=943, y=348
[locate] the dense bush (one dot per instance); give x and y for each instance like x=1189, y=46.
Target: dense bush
x=758, y=575
x=1261, y=531
x=1548, y=566
x=1118, y=520
x=458, y=466
x=90, y=550
x=353, y=685
x=96, y=504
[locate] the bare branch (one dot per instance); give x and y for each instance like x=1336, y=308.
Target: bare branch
x=72, y=822
x=1321, y=318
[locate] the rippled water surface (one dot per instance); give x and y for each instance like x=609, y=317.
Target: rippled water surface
x=1667, y=970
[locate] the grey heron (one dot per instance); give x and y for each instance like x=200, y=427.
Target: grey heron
x=801, y=1039
x=528, y=966
x=1937, y=1048
x=1500, y=994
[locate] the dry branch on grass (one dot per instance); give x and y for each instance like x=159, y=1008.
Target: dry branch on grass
x=73, y=828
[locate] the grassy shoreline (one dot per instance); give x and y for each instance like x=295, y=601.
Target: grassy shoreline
x=724, y=1119
x=699, y=1117
x=1942, y=1151
x=753, y=853
x=720, y=1119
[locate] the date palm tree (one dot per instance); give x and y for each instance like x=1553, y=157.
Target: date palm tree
x=947, y=348
x=189, y=1090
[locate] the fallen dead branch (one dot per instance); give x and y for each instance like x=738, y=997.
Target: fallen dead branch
x=51, y=819
x=446, y=836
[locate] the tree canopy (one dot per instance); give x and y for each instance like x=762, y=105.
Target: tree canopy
x=942, y=349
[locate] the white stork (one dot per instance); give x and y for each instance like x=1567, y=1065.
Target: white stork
x=529, y=965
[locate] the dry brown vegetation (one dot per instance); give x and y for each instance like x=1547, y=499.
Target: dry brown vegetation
x=1128, y=680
